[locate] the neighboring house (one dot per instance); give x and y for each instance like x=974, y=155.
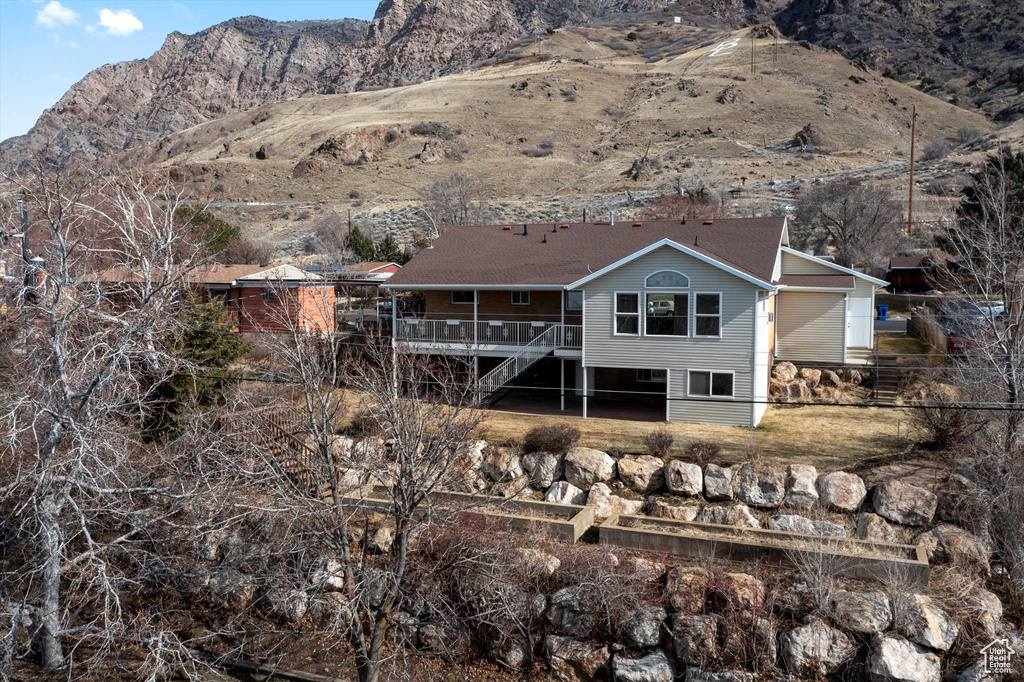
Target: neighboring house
x=259, y=298
x=911, y=273
x=373, y=273
x=694, y=313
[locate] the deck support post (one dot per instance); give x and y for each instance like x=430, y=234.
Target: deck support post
x=561, y=381
x=584, y=392
x=394, y=344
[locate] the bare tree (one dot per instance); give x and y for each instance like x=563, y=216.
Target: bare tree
x=365, y=506
x=457, y=200
x=858, y=221
x=86, y=504
x=247, y=250
x=986, y=241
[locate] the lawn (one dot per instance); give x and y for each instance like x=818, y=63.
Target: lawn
x=898, y=343
x=827, y=436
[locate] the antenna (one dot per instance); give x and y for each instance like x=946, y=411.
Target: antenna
x=910, y=204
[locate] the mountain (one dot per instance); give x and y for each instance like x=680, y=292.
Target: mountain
x=246, y=62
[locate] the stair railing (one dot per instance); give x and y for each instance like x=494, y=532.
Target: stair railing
x=519, y=362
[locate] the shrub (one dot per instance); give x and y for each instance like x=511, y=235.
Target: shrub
x=631, y=36
x=354, y=194
x=968, y=135
x=550, y=31
x=434, y=129
x=363, y=424
x=939, y=149
x=535, y=153
x=556, y=439
x=659, y=442
x=547, y=144
x=702, y=452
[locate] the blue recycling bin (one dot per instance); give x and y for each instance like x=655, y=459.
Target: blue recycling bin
x=882, y=312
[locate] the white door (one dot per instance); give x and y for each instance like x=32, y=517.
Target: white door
x=859, y=322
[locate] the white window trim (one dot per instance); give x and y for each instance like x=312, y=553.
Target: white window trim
x=454, y=302
x=712, y=372
x=689, y=313
x=658, y=272
x=652, y=380
x=638, y=314
x=512, y=296
x=268, y=295
x=696, y=315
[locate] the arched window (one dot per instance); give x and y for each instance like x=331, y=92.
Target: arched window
x=668, y=279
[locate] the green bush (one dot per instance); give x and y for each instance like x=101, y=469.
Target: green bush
x=631, y=35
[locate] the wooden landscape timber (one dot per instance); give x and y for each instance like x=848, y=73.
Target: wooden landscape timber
x=855, y=558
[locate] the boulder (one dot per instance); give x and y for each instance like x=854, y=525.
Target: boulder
x=830, y=378
x=865, y=613
x=978, y=672
x=732, y=515
x=949, y=544
x=761, y=486
x=962, y=502
x=574, y=660
x=501, y=464
x=841, y=491
x=744, y=592
x=230, y=589
x=605, y=504
x=661, y=509
x=717, y=483
x=683, y=478
x=440, y=638
x=750, y=638
x=585, y=466
x=543, y=467
x=894, y=659
x=686, y=588
x=645, y=569
x=811, y=376
x=695, y=674
x=874, y=528
x=815, y=650
x=569, y=615
x=288, y=605
x=801, y=492
x=330, y=577
x=382, y=540
x=642, y=474
x=515, y=487
x=903, y=503
x=537, y=562
x=509, y=653
x=405, y=625
x=925, y=622
x=797, y=389
x=793, y=523
x=853, y=376
x=695, y=638
x=564, y=492
x=985, y=611
x=784, y=371
x=642, y=628
x=654, y=667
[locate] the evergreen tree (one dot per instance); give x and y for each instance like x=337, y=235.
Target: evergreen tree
x=216, y=233
x=390, y=251
x=361, y=245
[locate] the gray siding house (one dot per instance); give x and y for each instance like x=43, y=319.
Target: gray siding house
x=689, y=314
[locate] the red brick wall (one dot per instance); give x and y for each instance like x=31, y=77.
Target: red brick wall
x=497, y=305
x=311, y=307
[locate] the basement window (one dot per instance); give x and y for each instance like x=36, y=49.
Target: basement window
x=711, y=384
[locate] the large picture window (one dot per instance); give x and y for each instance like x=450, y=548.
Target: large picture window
x=711, y=384
x=627, y=313
x=707, y=319
x=667, y=315
x=462, y=297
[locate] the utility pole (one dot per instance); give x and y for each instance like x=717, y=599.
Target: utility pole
x=910, y=204
x=751, y=50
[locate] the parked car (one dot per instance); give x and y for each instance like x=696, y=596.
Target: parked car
x=660, y=308
x=384, y=308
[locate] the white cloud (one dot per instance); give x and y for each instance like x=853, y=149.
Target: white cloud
x=54, y=13
x=184, y=10
x=119, y=23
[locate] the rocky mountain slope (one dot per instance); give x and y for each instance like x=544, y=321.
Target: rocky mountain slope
x=247, y=62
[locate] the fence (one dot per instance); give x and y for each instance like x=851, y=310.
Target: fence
x=922, y=324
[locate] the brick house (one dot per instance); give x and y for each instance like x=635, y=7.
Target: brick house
x=687, y=314
x=259, y=298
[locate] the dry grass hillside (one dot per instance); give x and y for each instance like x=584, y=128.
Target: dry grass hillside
x=568, y=114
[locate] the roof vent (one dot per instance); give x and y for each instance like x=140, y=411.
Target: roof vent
x=524, y=229
x=683, y=221
x=638, y=224
x=545, y=240
x=507, y=227
x=709, y=222
x=695, y=240
x=554, y=227
x=565, y=227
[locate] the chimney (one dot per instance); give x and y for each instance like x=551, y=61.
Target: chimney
x=524, y=229
x=611, y=218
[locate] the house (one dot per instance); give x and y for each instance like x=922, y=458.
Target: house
x=691, y=314
x=911, y=273
x=371, y=273
x=258, y=298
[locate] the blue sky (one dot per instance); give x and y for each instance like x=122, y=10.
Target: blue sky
x=46, y=46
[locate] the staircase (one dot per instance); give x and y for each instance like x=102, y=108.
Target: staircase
x=499, y=377
x=293, y=456
x=888, y=377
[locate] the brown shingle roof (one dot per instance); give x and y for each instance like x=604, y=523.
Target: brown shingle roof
x=818, y=281
x=490, y=255
x=207, y=274
x=909, y=262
